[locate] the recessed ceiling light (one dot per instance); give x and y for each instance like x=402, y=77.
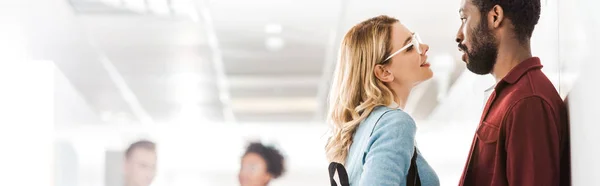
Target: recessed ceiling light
x=274, y=43
x=273, y=28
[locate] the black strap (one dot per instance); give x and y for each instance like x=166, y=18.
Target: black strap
x=413, y=179
x=342, y=174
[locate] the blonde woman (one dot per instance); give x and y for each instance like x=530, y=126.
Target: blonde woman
x=380, y=62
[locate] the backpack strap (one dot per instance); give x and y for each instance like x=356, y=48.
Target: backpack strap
x=342, y=174
x=413, y=179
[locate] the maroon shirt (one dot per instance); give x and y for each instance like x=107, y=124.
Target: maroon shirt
x=523, y=136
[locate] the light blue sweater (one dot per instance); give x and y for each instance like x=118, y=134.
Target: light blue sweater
x=382, y=149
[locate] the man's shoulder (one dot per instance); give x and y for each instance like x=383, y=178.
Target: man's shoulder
x=533, y=84
x=533, y=88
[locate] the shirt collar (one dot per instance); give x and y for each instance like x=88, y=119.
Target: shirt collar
x=521, y=69
x=490, y=88
x=393, y=105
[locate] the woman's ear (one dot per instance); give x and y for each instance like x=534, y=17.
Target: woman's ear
x=383, y=74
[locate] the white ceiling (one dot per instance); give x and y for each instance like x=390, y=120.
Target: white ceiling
x=157, y=55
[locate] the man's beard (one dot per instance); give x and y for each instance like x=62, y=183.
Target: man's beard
x=482, y=57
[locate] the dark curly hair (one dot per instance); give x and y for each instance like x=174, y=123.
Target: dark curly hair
x=272, y=157
x=524, y=14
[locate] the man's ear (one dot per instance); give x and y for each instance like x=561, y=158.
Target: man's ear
x=383, y=74
x=495, y=16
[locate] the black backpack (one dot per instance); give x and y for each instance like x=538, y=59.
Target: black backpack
x=412, y=179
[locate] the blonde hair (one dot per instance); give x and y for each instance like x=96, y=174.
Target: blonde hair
x=356, y=91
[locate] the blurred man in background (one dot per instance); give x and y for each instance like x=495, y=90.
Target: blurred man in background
x=140, y=163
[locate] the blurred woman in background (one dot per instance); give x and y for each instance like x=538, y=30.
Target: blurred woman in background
x=260, y=164
x=380, y=61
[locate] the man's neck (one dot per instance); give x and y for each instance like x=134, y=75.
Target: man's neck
x=510, y=55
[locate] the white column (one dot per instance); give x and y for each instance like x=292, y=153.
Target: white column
x=26, y=118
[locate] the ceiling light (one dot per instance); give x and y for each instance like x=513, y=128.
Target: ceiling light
x=274, y=104
x=186, y=87
x=273, y=28
x=274, y=43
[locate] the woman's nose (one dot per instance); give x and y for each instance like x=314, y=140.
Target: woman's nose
x=424, y=48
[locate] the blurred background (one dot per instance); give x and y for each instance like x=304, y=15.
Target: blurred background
x=83, y=79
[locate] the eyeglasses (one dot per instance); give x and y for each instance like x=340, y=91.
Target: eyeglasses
x=415, y=41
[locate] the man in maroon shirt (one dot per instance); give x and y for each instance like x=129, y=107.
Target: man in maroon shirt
x=523, y=135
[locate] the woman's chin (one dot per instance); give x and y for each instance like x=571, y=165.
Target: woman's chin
x=425, y=77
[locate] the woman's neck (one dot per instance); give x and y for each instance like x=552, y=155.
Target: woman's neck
x=401, y=93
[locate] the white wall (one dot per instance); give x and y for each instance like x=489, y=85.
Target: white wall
x=579, y=27
x=26, y=122
x=26, y=103
x=72, y=108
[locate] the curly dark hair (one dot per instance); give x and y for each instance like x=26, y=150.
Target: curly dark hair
x=524, y=14
x=272, y=157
